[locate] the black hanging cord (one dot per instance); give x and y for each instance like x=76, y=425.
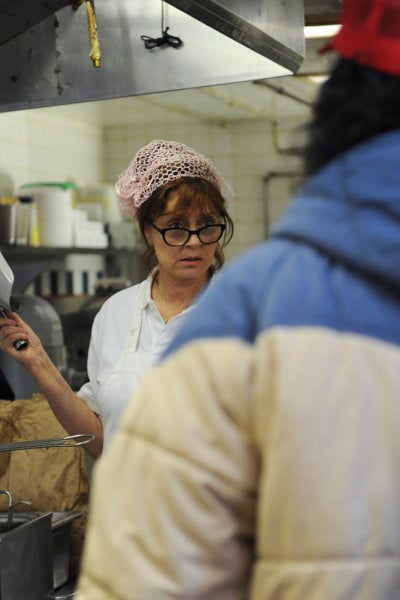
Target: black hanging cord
x=165, y=40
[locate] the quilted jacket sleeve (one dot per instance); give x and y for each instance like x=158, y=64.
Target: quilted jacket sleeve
x=172, y=513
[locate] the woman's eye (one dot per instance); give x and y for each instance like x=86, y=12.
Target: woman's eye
x=175, y=226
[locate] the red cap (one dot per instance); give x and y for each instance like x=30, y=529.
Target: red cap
x=370, y=34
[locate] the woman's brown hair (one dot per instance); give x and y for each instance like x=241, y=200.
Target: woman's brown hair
x=192, y=192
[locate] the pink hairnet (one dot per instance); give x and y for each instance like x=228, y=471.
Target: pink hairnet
x=161, y=162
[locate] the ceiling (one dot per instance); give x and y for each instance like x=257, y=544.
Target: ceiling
x=267, y=99
x=322, y=12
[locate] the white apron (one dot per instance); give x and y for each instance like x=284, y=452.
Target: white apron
x=131, y=366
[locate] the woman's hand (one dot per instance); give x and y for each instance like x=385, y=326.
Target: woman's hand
x=14, y=329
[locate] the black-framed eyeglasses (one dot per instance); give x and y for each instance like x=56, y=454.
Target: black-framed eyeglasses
x=179, y=236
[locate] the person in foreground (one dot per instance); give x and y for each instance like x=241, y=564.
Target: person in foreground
x=180, y=203
x=261, y=459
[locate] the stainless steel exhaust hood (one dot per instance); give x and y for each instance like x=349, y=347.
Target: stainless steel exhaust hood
x=274, y=29
x=223, y=42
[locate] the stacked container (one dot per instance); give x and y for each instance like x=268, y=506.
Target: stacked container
x=55, y=211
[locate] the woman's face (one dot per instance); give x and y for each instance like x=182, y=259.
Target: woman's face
x=193, y=259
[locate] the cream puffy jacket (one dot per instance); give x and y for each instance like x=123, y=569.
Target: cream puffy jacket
x=261, y=459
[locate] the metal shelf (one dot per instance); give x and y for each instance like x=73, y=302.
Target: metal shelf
x=51, y=252
x=28, y=262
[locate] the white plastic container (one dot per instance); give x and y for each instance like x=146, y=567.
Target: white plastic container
x=24, y=218
x=101, y=202
x=86, y=271
x=55, y=212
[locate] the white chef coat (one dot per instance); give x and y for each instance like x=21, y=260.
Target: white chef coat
x=128, y=337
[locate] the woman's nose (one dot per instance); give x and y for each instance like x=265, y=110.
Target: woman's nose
x=194, y=240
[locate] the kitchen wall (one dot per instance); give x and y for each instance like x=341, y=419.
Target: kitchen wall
x=71, y=142
x=52, y=144
x=245, y=152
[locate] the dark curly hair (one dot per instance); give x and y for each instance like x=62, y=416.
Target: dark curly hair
x=356, y=103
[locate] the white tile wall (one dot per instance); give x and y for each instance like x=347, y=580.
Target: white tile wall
x=244, y=152
x=51, y=144
x=59, y=143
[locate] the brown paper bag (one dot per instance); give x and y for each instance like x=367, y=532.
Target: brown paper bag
x=53, y=479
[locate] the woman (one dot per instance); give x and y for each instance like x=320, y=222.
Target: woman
x=180, y=203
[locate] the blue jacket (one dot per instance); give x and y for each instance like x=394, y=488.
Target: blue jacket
x=333, y=260
x=264, y=451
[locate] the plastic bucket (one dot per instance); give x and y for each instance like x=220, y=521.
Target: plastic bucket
x=55, y=212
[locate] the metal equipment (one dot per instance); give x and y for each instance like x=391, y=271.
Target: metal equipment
x=44, y=320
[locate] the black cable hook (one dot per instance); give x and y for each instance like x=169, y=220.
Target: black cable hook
x=165, y=40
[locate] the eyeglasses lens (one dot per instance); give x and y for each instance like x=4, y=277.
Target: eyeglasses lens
x=176, y=237
x=208, y=235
